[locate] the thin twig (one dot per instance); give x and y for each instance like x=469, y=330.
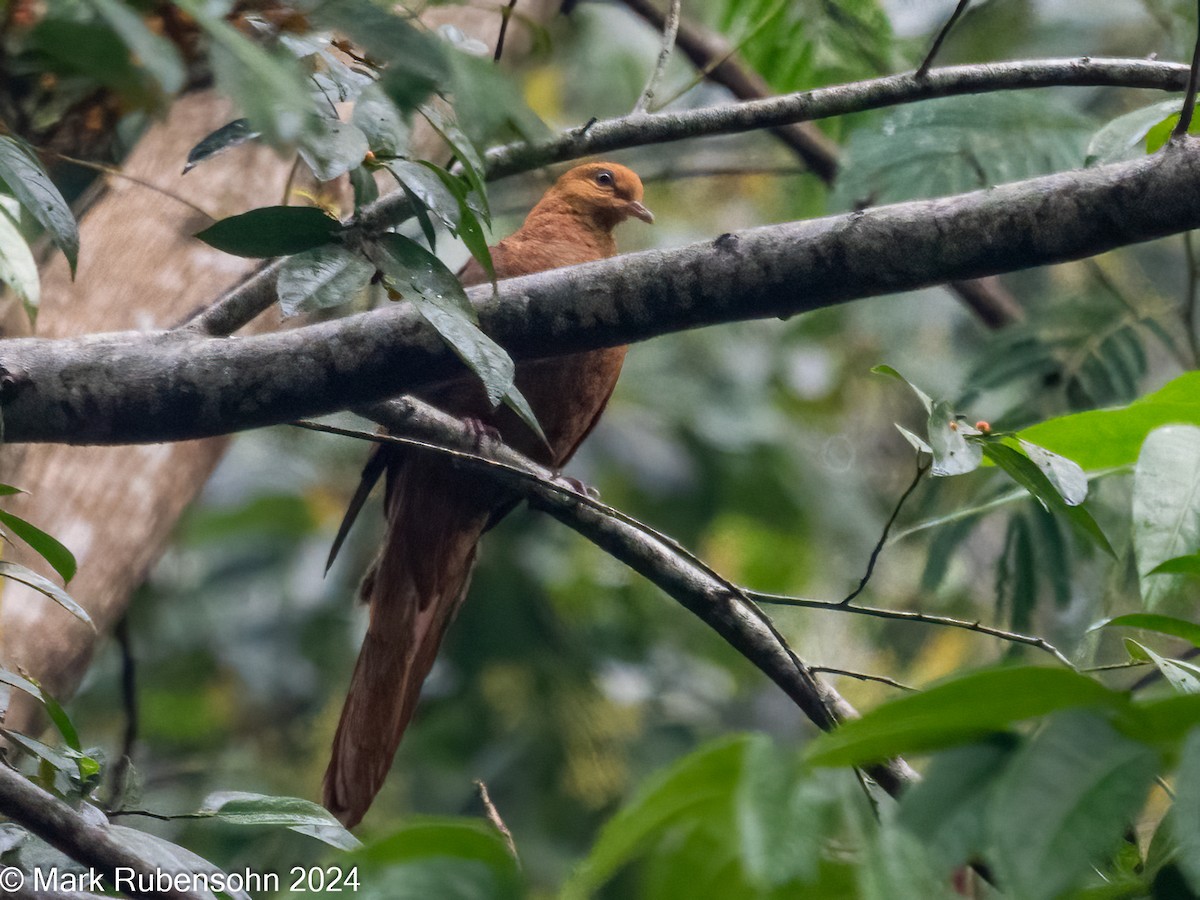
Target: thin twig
x=670, y=30
x=1189, y=97
x=505, y=15
x=493, y=816
x=1113, y=667
x=114, y=172
x=863, y=676
x=923, y=69
x=1014, y=637
x=119, y=781
x=922, y=468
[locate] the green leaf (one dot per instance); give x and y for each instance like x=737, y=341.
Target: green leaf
x=312, y=819
x=887, y=370
x=430, y=185
x=1185, y=811
x=464, y=150
x=47, y=547
x=53, y=708
x=365, y=189
x=1125, y=136
x=45, y=586
x=269, y=87
x=778, y=819
x=29, y=183
x=1188, y=564
x=424, y=280
x=381, y=122
x=957, y=711
x=1023, y=471
x=946, y=809
x=1064, y=803
x=1108, y=438
x=272, y=231
x=224, y=138
x=56, y=759
x=1157, y=137
x=332, y=148
x=415, y=61
x=1180, y=628
x=148, y=50
x=320, y=278
x=700, y=785
x=1166, y=518
x=18, y=269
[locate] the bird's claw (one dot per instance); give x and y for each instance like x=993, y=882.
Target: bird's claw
x=481, y=432
x=579, y=487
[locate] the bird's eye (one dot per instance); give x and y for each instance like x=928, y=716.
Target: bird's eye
x=605, y=178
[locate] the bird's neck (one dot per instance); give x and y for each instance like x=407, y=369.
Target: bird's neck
x=556, y=220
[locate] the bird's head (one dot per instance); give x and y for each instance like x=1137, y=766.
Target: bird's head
x=604, y=192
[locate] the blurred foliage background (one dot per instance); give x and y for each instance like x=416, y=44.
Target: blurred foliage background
x=766, y=447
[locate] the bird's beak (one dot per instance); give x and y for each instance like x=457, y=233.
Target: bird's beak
x=638, y=211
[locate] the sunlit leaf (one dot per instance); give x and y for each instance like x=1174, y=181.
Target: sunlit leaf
x=1125, y=136
x=18, y=269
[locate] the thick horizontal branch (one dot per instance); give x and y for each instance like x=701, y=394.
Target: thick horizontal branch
x=255, y=294
x=129, y=388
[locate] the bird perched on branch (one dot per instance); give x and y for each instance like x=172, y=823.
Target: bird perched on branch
x=437, y=513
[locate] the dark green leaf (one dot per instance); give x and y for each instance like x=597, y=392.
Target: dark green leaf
x=1065, y=801
x=321, y=278
x=49, y=548
x=464, y=151
x=57, y=760
x=362, y=180
x=778, y=819
x=429, y=184
x=224, y=138
x=957, y=711
x=272, y=231
x=29, y=183
x=44, y=586
x=148, y=50
x=53, y=708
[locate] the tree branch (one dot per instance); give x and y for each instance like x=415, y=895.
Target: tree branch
x=255, y=294
x=136, y=387
x=61, y=826
x=718, y=603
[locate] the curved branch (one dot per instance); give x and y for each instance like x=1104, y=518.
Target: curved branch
x=135, y=387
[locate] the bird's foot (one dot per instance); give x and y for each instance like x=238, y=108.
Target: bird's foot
x=481, y=433
x=579, y=487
